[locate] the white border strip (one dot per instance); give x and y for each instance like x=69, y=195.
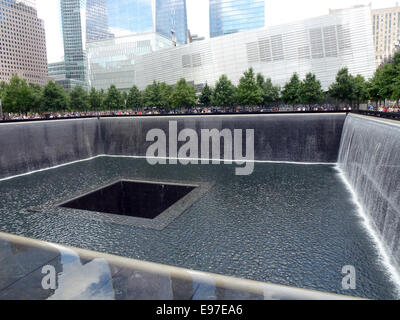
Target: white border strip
x=383, y=255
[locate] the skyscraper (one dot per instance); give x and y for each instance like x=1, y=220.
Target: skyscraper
x=230, y=16
x=386, y=28
x=22, y=42
x=97, y=18
x=171, y=17
x=73, y=19
x=127, y=17
x=82, y=21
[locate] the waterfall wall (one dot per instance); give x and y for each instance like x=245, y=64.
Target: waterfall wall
x=370, y=159
x=30, y=146
x=294, y=138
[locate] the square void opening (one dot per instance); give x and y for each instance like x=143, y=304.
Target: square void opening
x=134, y=199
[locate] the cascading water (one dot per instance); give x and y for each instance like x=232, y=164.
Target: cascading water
x=369, y=158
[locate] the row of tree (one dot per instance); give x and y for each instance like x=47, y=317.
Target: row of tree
x=19, y=96
x=252, y=90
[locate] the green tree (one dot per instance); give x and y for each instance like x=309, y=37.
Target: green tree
x=395, y=77
x=166, y=92
x=17, y=96
x=224, y=92
x=114, y=99
x=380, y=87
x=248, y=92
x=270, y=93
x=184, y=95
x=95, y=100
x=291, y=90
x=152, y=95
x=206, y=96
x=134, y=100
x=343, y=88
x=360, y=90
x=37, y=92
x=54, y=97
x=78, y=99
x=396, y=90
x=311, y=90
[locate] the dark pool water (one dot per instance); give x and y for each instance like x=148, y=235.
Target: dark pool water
x=287, y=224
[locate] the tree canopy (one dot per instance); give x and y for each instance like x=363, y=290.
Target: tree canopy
x=114, y=100
x=311, y=90
x=206, y=96
x=135, y=98
x=270, y=93
x=291, y=91
x=224, y=92
x=54, y=97
x=184, y=95
x=248, y=92
x=79, y=99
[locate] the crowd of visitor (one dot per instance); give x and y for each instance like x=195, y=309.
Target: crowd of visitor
x=390, y=109
x=156, y=111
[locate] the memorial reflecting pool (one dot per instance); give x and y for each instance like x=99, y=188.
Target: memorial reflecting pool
x=289, y=224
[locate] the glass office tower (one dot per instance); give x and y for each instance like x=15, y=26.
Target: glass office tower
x=171, y=17
x=230, y=16
x=126, y=17
x=97, y=20
x=73, y=19
x=82, y=21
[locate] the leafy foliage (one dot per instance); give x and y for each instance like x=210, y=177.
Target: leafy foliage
x=311, y=90
x=184, y=95
x=224, y=92
x=291, y=91
x=114, y=99
x=79, y=99
x=270, y=93
x=248, y=92
x=54, y=97
x=206, y=96
x=134, y=100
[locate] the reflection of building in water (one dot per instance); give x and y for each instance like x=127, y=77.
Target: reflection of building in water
x=91, y=281
x=21, y=271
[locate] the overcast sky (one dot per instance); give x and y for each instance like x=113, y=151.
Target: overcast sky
x=277, y=12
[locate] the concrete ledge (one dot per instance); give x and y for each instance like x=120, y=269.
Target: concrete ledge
x=127, y=278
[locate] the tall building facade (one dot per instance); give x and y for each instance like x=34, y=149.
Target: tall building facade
x=97, y=18
x=128, y=17
x=73, y=20
x=231, y=16
x=166, y=17
x=386, y=30
x=321, y=45
x=22, y=42
x=112, y=61
x=171, y=19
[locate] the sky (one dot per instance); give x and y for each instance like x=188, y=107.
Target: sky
x=277, y=12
